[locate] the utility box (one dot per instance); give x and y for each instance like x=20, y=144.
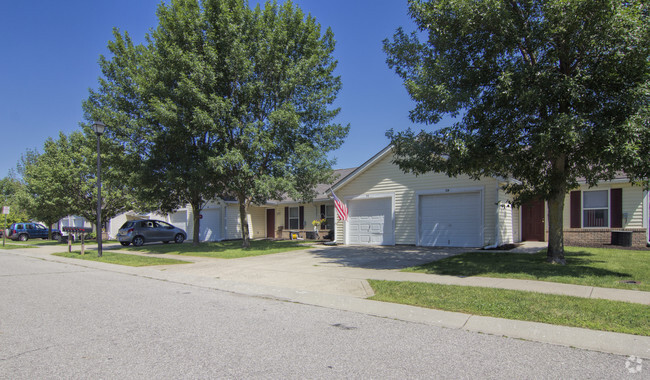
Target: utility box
x=622, y=238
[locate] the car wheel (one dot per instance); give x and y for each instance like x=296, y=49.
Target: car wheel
x=138, y=241
x=23, y=237
x=179, y=238
x=165, y=242
x=125, y=243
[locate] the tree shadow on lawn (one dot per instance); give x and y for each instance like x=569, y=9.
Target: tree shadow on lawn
x=579, y=265
x=382, y=257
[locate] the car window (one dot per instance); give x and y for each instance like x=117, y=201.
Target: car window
x=127, y=225
x=40, y=227
x=29, y=227
x=19, y=226
x=165, y=225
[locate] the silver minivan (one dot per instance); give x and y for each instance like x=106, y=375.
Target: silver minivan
x=143, y=231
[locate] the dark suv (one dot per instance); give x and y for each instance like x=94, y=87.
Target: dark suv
x=26, y=231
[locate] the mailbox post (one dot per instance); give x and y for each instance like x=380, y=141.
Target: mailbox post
x=5, y=211
x=83, y=231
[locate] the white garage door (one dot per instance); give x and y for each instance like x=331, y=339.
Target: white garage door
x=371, y=222
x=451, y=220
x=179, y=219
x=210, y=227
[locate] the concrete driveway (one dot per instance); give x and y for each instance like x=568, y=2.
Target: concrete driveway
x=380, y=257
x=340, y=270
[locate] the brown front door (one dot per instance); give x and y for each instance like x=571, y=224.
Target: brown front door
x=270, y=223
x=532, y=221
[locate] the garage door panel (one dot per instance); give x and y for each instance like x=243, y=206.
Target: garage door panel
x=451, y=220
x=179, y=219
x=370, y=221
x=210, y=226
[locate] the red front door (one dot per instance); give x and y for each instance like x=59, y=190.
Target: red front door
x=270, y=223
x=532, y=221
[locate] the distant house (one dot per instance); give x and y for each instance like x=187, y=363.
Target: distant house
x=275, y=219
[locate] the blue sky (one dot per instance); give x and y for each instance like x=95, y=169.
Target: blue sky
x=51, y=48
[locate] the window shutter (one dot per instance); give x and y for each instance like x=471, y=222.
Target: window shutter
x=576, y=209
x=616, y=208
x=302, y=217
x=286, y=218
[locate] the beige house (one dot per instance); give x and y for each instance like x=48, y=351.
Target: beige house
x=387, y=207
x=281, y=219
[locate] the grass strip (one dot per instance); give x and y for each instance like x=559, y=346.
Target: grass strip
x=602, y=267
x=16, y=246
x=121, y=258
x=587, y=313
x=223, y=249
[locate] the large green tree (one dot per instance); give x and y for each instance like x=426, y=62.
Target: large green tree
x=62, y=180
x=11, y=189
x=46, y=196
x=546, y=92
x=223, y=100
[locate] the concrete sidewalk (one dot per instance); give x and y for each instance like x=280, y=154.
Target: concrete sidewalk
x=336, y=277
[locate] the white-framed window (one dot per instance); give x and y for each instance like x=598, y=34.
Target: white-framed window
x=329, y=218
x=294, y=218
x=595, y=208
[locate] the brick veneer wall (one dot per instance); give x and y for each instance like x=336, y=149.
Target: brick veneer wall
x=600, y=236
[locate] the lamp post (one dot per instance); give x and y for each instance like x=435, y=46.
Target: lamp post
x=99, y=127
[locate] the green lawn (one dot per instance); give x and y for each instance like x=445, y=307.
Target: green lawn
x=593, y=314
x=224, y=249
x=121, y=258
x=12, y=245
x=585, y=266
x=45, y=242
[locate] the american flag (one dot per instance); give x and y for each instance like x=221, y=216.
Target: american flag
x=341, y=210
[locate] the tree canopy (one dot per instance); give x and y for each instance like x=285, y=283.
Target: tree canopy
x=11, y=189
x=62, y=180
x=223, y=101
x=547, y=92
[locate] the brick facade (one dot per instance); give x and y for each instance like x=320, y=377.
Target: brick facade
x=602, y=236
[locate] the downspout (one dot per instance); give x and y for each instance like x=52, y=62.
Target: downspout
x=225, y=221
x=646, y=216
x=498, y=224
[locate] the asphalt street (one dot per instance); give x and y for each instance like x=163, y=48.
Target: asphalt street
x=61, y=320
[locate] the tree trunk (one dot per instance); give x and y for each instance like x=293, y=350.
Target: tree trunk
x=244, y=224
x=555, y=251
x=196, y=212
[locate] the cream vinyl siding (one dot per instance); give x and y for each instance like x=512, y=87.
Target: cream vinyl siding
x=509, y=231
x=632, y=204
x=384, y=177
x=257, y=221
x=233, y=225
